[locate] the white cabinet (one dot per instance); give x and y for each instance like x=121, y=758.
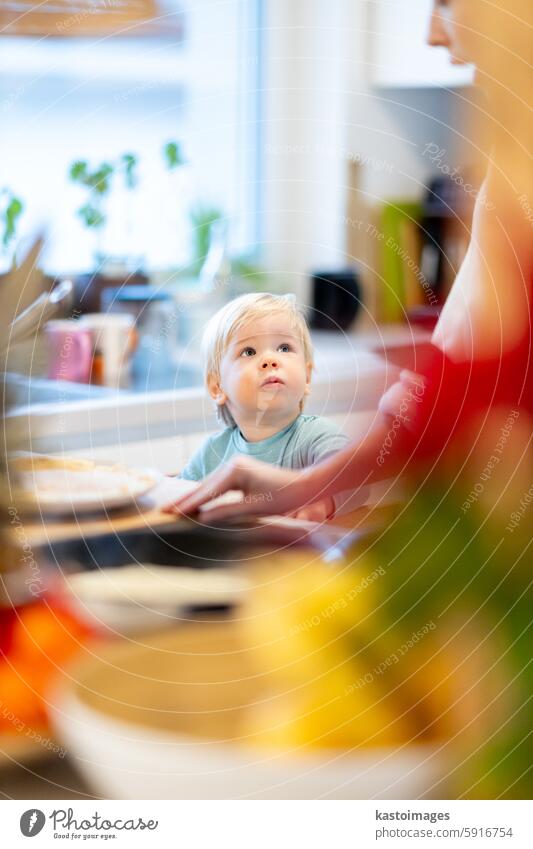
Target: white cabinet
x=399, y=56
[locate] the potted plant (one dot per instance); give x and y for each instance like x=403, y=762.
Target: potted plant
x=98, y=182
x=208, y=244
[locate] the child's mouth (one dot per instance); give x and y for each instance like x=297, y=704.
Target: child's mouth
x=272, y=381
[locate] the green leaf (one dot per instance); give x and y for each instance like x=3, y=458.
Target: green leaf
x=91, y=216
x=173, y=155
x=78, y=170
x=248, y=270
x=99, y=180
x=11, y=215
x=202, y=220
x=130, y=162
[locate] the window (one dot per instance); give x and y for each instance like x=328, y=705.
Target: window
x=67, y=98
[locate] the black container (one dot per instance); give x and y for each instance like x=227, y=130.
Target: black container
x=336, y=299
x=88, y=288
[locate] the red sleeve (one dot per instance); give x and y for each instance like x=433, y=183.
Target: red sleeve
x=455, y=394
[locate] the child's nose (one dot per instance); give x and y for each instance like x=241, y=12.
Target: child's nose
x=270, y=362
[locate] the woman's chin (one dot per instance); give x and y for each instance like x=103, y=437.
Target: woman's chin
x=456, y=60
x=477, y=78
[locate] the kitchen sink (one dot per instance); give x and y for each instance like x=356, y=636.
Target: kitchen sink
x=25, y=391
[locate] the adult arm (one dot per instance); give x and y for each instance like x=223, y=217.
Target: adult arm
x=288, y=491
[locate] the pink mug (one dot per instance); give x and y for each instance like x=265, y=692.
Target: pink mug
x=70, y=351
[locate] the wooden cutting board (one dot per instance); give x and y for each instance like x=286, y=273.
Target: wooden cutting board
x=147, y=513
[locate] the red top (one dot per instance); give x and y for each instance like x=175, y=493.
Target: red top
x=457, y=393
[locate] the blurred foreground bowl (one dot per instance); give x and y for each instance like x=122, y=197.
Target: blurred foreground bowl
x=165, y=716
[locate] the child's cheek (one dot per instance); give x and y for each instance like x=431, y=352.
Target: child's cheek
x=243, y=382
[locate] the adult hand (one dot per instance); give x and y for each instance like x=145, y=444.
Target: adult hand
x=266, y=490
x=401, y=400
x=320, y=511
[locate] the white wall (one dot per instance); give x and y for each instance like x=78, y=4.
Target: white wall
x=305, y=124
x=320, y=109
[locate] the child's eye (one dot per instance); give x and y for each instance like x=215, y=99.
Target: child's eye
x=284, y=348
x=247, y=352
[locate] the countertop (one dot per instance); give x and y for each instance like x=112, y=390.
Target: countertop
x=351, y=372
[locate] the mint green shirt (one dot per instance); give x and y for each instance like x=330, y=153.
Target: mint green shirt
x=305, y=442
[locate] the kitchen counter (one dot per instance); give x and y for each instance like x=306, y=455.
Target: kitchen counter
x=352, y=371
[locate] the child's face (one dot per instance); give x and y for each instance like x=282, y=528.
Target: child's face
x=263, y=372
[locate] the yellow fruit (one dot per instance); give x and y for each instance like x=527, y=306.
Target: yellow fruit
x=303, y=625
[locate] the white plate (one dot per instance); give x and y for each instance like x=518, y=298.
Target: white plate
x=64, y=485
x=144, y=596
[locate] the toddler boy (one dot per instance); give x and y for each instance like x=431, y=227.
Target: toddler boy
x=258, y=361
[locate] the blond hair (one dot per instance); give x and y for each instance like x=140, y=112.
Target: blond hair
x=235, y=315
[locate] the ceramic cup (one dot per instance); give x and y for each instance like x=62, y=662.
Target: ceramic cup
x=113, y=337
x=70, y=350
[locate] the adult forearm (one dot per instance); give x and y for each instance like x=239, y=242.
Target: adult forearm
x=378, y=455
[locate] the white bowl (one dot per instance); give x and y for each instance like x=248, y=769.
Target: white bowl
x=144, y=596
x=138, y=723
x=123, y=761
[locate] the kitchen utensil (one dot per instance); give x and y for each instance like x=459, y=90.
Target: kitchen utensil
x=21, y=287
x=33, y=317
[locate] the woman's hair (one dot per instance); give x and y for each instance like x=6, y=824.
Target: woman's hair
x=235, y=315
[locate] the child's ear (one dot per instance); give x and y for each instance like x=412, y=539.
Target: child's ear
x=308, y=371
x=215, y=390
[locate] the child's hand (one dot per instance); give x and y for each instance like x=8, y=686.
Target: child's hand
x=320, y=511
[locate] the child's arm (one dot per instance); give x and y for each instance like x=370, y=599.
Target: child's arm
x=195, y=469
x=212, y=452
